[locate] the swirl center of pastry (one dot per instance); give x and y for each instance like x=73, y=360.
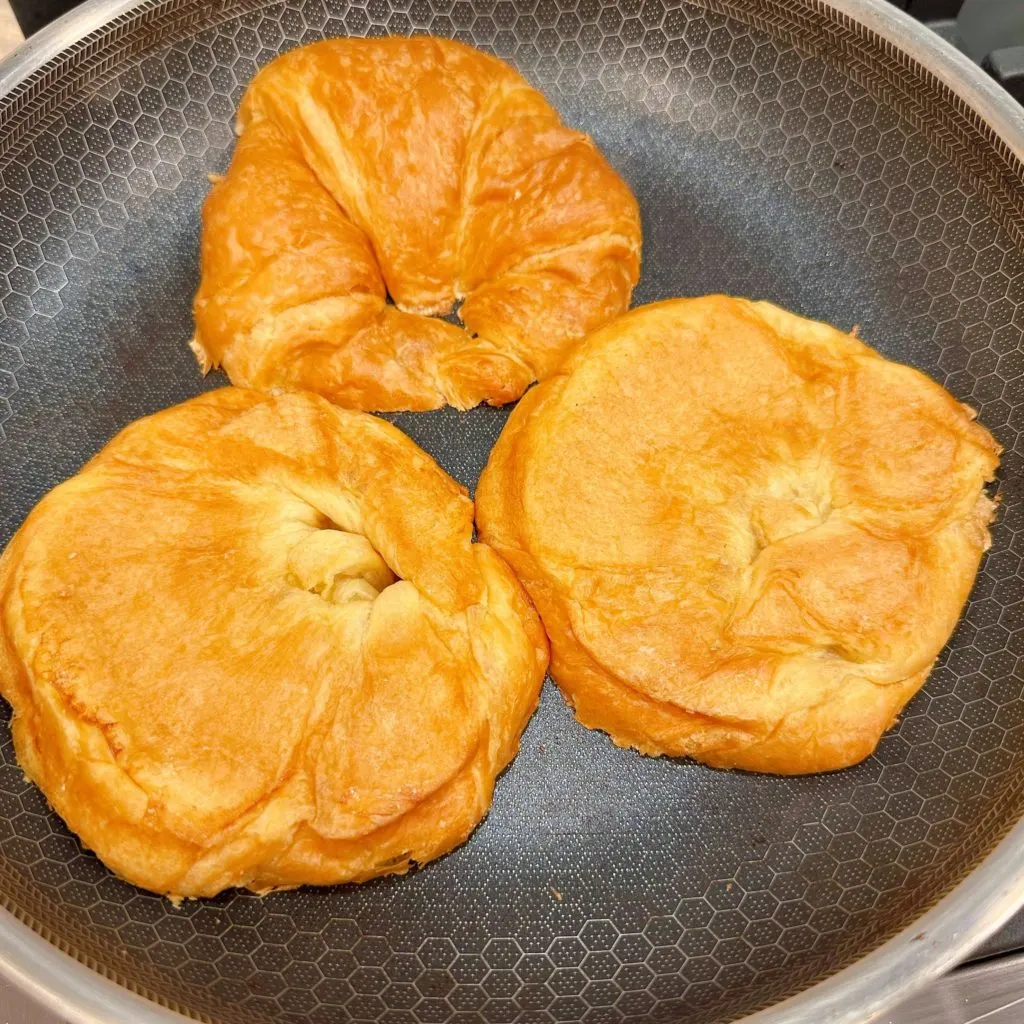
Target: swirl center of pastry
x=339, y=566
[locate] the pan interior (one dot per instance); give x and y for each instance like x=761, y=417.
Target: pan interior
x=775, y=155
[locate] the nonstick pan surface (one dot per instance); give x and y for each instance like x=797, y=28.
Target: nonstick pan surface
x=781, y=149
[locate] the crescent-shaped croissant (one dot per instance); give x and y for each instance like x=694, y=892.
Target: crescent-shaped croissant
x=423, y=171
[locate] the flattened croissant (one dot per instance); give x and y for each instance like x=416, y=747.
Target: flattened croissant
x=217, y=679
x=423, y=170
x=748, y=534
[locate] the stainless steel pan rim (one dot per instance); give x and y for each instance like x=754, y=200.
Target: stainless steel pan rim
x=935, y=943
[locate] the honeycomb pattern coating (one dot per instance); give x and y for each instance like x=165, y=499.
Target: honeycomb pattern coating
x=769, y=160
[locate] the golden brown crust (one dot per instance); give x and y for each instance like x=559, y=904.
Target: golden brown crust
x=423, y=169
x=217, y=679
x=748, y=535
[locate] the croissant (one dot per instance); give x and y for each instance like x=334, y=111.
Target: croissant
x=748, y=534
x=425, y=172
x=252, y=644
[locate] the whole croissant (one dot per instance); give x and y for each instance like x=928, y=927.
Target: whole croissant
x=252, y=644
x=421, y=170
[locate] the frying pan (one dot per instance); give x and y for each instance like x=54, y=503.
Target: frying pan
x=830, y=156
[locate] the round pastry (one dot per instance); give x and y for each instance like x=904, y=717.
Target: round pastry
x=423, y=170
x=252, y=644
x=748, y=534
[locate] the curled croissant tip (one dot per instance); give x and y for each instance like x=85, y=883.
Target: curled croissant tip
x=202, y=356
